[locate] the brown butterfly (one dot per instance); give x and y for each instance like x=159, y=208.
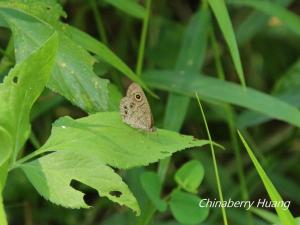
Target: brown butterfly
x=135, y=109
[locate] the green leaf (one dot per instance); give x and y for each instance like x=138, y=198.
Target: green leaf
x=285, y=215
x=47, y=10
x=104, y=53
x=18, y=92
x=152, y=186
x=185, y=208
x=288, y=18
x=111, y=141
x=214, y=89
x=128, y=6
x=73, y=75
x=86, y=145
x=222, y=16
x=191, y=57
x=51, y=175
x=190, y=176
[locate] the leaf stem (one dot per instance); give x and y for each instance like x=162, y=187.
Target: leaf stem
x=98, y=19
x=214, y=162
x=140, y=58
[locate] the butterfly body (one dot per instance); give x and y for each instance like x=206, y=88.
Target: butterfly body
x=135, y=109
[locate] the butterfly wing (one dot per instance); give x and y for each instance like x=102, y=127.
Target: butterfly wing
x=135, y=109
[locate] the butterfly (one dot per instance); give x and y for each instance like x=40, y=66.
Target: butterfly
x=135, y=109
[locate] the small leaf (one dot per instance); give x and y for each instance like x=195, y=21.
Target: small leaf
x=185, y=208
x=152, y=186
x=284, y=215
x=52, y=174
x=190, y=176
x=113, y=142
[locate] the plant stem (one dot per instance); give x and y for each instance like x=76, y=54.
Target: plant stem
x=98, y=19
x=214, y=162
x=140, y=58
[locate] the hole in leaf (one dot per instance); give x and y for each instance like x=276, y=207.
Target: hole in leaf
x=116, y=193
x=15, y=79
x=48, y=7
x=91, y=195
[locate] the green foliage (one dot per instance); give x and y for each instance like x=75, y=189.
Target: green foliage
x=190, y=176
x=20, y=89
x=222, y=16
x=184, y=207
x=128, y=6
x=215, y=89
x=51, y=176
x=120, y=146
x=284, y=215
x=71, y=61
x=152, y=186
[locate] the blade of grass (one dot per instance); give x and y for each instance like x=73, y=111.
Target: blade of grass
x=141, y=53
x=214, y=161
x=220, y=11
x=285, y=216
x=231, y=118
x=191, y=58
x=99, y=23
x=218, y=90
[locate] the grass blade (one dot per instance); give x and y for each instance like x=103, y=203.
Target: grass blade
x=214, y=161
x=285, y=216
x=222, y=16
x=215, y=89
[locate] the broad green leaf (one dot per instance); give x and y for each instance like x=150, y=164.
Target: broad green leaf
x=288, y=18
x=152, y=186
x=222, y=16
x=18, y=92
x=47, y=10
x=111, y=141
x=284, y=215
x=73, y=75
x=104, y=53
x=3, y=220
x=185, y=208
x=51, y=176
x=190, y=175
x=128, y=6
x=214, y=89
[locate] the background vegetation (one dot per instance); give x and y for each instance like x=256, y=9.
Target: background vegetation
x=242, y=59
